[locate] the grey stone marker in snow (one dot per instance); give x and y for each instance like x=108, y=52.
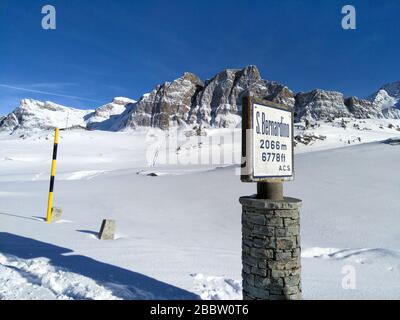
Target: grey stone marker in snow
x=271, y=251
x=56, y=214
x=107, y=230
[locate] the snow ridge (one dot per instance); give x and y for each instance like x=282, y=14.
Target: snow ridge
x=214, y=103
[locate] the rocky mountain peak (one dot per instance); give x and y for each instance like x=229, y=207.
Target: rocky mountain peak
x=216, y=102
x=387, y=97
x=393, y=89
x=363, y=109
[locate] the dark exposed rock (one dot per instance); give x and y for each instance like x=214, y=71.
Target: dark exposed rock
x=391, y=113
x=308, y=138
x=167, y=105
x=9, y=123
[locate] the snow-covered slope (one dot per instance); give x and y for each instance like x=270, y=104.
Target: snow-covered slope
x=33, y=115
x=37, y=115
x=105, y=117
x=393, y=90
x=388, y=96
x=383, y=99
x=179, y=230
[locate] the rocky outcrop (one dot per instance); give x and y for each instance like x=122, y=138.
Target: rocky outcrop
x=167, y=105
x=8, y=123
x=363, y=109
x=219, y=104
x=214, y=103
x=391, y=113
x=320, y=105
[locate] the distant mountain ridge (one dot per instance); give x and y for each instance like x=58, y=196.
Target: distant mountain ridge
x=189, y=100
x=36, y=115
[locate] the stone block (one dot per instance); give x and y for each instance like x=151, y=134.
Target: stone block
x=259, y=271
x=292, y=214
x=261, y=253
x=283, y=256
x=107, y=230
x=249, y=260
x=274, y=222
x=265, y=242
x=287, y=231
x=56, y=214
x=291, y=281
x=248, y=278
x=290, y=222
x=264, y=231
x=285, y=204
x=257, y=219
x=286, y=243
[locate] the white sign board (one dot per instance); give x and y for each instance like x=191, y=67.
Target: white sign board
x=272, y=142
x=267, y=141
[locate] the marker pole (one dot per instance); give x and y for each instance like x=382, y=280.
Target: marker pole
x=53, y=174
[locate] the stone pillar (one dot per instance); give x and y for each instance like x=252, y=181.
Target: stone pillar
x=107, y=230
x=271, y=249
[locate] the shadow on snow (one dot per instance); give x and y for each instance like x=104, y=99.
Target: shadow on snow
x=122, y=283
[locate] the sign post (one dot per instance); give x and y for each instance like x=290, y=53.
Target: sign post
x=270, y=221
x=52, y=176
x=267, y=146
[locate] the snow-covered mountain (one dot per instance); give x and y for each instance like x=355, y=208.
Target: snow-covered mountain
x=107, y=116
x=36, y=115
x=33, y=114
x=212, y=103
x=387, y=99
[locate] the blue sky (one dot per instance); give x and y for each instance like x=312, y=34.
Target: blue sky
x=107, y=48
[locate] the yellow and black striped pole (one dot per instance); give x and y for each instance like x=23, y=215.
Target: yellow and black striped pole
x=53, y=174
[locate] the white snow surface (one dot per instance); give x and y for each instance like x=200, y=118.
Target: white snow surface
x=179, y=226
